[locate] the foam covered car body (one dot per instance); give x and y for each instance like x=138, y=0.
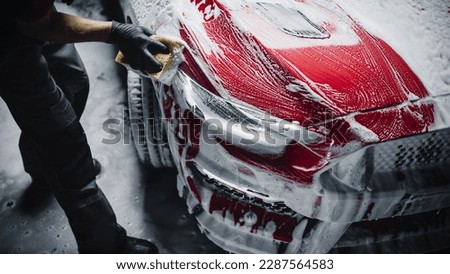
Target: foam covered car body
x=291, y=126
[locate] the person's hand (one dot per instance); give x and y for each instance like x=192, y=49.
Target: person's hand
x=137, y=46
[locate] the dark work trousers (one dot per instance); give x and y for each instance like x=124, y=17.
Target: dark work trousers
x=46, y=87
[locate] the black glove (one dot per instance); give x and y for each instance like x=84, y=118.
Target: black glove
x=136, y=45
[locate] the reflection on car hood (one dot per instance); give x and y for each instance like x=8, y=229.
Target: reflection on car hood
x=302, y=61
x=332, y=68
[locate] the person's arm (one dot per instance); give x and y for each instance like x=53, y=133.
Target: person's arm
x=134, y=41
x=65, y=28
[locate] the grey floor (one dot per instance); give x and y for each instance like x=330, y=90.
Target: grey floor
x=146, y=202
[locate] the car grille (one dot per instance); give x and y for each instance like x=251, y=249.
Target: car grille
x=279, y=207
x=416, y=152
x=220, y=188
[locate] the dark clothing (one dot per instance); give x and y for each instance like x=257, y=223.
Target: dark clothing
x=25, y=10
x=45, y=86
x=70, y=75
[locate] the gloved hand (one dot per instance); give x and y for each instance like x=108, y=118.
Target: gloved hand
x=137, y=46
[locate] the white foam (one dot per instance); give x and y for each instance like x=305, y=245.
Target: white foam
x=417, y=30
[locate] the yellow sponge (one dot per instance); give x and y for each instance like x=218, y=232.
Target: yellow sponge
x=170, y=61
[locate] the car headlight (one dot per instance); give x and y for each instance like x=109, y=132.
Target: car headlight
x=241, y=125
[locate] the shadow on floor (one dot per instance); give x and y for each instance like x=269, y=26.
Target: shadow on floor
x=177, y=229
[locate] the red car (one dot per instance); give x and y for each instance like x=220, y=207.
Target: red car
x=294, y=129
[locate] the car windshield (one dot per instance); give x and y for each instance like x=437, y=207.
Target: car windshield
x=291, y=20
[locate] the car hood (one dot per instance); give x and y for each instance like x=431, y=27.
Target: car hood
x=299, y=60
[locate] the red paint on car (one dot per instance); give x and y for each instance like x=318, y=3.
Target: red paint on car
x=285, y=225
